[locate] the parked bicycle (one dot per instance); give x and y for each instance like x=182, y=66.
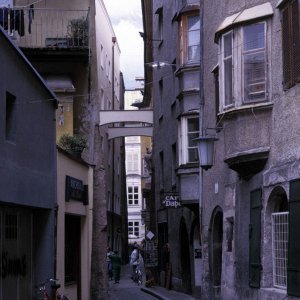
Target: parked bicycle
x=42, y=291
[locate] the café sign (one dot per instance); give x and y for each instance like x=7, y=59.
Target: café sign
x=171, y=200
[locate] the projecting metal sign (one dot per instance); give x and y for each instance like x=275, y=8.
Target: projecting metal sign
x=171, y=200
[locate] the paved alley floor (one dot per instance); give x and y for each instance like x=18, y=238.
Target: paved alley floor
x=126, y=289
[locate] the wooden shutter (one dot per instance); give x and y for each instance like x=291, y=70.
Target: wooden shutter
x=255, y=239
x=293, y=269
x=286, y=48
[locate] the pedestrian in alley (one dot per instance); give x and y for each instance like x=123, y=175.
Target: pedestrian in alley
x=134, y=260
x=167, y=265
x=116, y=265
x=109, y=264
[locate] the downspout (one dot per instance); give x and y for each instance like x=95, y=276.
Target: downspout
x=201, y=122
x=114, y=39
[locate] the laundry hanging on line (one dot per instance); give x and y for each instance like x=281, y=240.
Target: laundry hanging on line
x=12, y=20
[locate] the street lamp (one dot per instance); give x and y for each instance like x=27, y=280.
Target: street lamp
x=206, y=151
x=159, y=64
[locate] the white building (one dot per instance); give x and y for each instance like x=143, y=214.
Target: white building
x=136, y=228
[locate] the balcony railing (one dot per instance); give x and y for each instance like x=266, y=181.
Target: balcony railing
x=46, y=28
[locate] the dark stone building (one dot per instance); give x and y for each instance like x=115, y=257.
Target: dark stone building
x=28, y=175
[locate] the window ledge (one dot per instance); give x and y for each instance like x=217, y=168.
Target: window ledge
x=245, y=108
x=188, y=168
x=187, y=67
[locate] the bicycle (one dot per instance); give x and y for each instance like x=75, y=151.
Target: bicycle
x=138, y=276
x=42, y=293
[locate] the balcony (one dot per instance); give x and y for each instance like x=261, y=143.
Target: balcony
x=51, y=29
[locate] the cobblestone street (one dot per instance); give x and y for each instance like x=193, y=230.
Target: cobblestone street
x=127, y=289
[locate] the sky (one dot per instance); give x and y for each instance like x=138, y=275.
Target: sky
x=126, y=18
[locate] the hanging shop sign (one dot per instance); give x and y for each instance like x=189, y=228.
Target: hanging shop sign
x=171, y=200
x=151, y=254
x=76, y=190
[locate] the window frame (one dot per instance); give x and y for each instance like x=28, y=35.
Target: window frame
x=135, y=225
x=135, y=192
x=183, y=42
x=238, y=67
x=184, y=140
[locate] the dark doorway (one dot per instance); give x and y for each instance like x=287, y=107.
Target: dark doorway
x=216, y=250
x=185, y=258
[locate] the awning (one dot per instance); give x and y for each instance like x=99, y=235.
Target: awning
x=256, y=12
x=60, y=83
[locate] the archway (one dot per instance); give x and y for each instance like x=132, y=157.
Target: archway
x=185, y=258
x=216, y=241
x=275, y=239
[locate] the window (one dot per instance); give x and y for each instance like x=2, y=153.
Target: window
x=134, y=228
x=227, y=67
x=159, y=13
x=132, y=162
x=11, y=117
x=189, y=38
x=133, y=195
x=280, y=248
x=102, y=56
x=290, y=43
x=188, y=132
x=243, y=65
x=254, y=62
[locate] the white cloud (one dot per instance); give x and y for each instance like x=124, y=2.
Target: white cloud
x=127, y=23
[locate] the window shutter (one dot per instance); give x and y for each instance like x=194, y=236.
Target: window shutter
x=255, y=239
x=293, y=269
x=286, y=48
x=296, y=39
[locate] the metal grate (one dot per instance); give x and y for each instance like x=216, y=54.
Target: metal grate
x=280, y=248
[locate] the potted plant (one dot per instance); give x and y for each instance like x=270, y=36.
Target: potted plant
x=78, y=32
x=74, y=144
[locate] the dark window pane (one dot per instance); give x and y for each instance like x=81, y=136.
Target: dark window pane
x=228, y=81
x=254, y=36
x=254, y=76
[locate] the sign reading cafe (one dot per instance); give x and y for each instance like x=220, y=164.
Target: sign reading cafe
x=171, y=200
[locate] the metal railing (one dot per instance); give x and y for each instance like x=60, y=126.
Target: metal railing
x=46, y=28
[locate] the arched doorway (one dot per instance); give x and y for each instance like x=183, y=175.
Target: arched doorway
x=185, y=258
x=216, y=241
x=276, y=239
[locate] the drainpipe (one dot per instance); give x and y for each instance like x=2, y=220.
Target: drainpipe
x=114, y=39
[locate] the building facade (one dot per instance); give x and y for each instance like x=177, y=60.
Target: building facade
x=28, y=175
x=173, y=34
x=136, y=228
x=251, y=193
x=74, y=48
x=238, y=221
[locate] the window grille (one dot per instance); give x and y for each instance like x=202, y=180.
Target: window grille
x=280, y=248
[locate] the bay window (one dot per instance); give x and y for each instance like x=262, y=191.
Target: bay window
x=189, y=130
x=189, y=38
x=243, y=65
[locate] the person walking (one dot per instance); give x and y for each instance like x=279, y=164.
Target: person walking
x=109, y=264
x=116, y=265
x=134, y=260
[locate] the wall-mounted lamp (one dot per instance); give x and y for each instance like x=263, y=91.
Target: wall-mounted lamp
x=206, y=151
x=205, y=144
x=159, y=64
